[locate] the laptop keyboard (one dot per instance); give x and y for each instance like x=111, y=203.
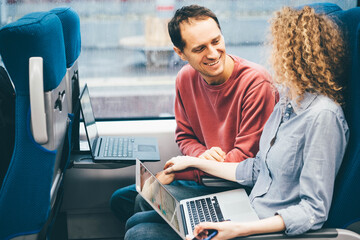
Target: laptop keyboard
x=204, y=210
x=118, y=147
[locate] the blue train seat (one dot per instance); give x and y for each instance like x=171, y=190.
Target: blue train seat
x=72, y=39
x=345, y=210
x=33, y=52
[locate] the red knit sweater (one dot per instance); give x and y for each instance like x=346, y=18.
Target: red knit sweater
x=230, y=115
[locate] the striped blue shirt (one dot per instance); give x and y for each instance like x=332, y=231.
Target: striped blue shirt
x=300, y=152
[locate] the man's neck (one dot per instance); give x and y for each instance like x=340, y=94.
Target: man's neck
x=229, y=67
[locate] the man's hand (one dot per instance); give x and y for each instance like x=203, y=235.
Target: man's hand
x=165, y=178
x=214, y=153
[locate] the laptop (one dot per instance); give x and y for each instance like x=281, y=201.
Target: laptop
x=184, y=215
x=114, y=148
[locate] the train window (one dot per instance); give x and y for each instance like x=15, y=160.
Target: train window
x=127, y=58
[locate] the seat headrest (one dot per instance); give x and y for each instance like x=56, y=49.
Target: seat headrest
x=322, y=8
x=37, y=34
x=71, y=28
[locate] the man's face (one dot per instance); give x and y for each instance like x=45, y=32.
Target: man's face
x=204, y=49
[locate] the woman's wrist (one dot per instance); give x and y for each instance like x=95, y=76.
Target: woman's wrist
x=196, y=162
x=243, y=229
x=266, y=225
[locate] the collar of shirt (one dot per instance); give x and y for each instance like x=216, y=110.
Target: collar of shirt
x=289, y=106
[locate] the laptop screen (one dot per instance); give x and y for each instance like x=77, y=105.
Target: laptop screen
x=88, y=118
x=160, y=199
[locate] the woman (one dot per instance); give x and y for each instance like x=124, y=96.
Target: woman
x=302, y=144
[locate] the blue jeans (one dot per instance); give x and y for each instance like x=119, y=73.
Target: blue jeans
x=148, y=225
x=122, y=202
x=125, y=201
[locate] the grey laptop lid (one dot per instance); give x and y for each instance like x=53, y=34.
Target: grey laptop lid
x=159, y=198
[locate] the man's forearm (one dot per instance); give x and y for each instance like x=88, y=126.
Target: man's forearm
x=190, y=146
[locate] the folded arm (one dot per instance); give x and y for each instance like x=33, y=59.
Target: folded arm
x=256, y=108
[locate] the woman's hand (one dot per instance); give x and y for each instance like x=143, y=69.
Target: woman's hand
x=226, y=230
x=179, y=163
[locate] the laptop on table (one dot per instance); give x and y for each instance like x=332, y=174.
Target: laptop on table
x=114, y=148
x=184, y=215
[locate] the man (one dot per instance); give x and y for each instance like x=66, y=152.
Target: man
x=222, y=103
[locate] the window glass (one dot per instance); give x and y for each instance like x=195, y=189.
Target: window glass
x=127, y=58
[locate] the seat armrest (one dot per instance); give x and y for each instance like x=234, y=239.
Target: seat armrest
x=327, y=233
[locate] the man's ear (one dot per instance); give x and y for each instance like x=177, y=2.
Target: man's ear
x=180, y=53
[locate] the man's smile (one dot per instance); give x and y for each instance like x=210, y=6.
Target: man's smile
x=212, y=63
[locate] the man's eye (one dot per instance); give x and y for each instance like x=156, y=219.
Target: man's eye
x=216, y=42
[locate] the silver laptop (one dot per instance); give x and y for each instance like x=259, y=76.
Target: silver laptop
x=184, y=215
x=114, y=148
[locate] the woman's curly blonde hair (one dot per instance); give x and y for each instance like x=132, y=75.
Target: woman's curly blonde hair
x=307, y=52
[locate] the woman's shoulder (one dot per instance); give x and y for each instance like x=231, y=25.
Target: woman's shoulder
x=324, y=103
x=324, y=107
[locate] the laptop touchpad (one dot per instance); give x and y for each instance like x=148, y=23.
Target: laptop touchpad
x=146, y=148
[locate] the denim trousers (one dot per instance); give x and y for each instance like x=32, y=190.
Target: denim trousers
x=149, y=225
